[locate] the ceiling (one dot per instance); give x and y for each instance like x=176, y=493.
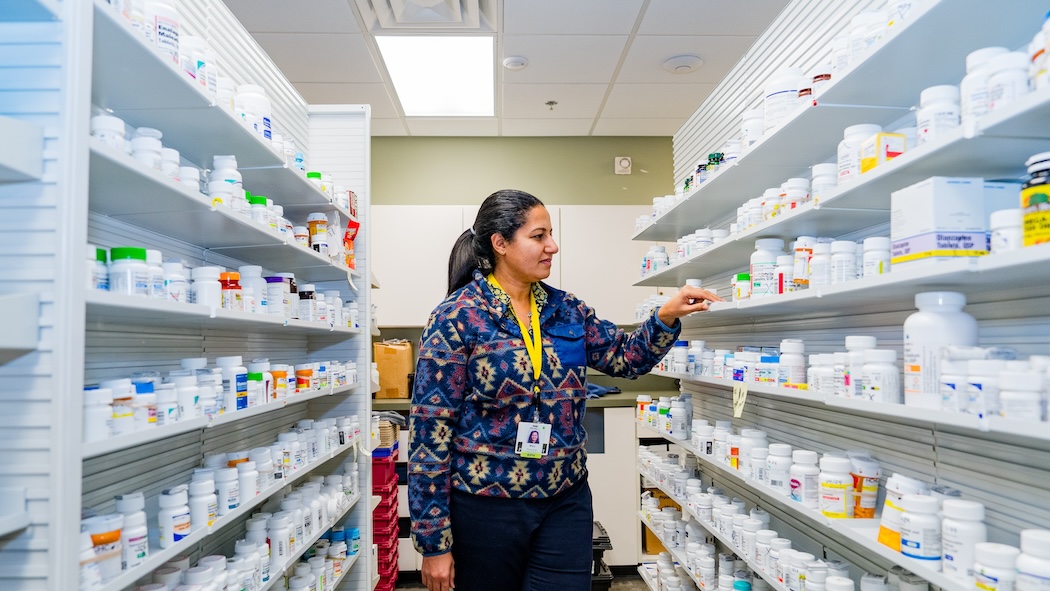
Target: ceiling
x=599, y=59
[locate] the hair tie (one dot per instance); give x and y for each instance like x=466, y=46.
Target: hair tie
x=472, y=232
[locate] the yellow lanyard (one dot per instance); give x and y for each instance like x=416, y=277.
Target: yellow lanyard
x=533, y=342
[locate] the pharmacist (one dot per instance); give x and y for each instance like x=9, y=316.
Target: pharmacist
x=492, y=508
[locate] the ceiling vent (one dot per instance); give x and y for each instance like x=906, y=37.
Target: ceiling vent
x=428, y=15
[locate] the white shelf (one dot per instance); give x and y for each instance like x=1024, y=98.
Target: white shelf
x=20, y=333
x=915, y=415
x=22, y=151
x=105, y=306
x=983, y=279
x=29, y=10
x=646, y=577
x=146, y=89
x=123, y=189
x=813, y=132
x=158, y=556
x=277, y=572
x=997, y=150
x=862, y=531
x=98, y=448
x=376, y=499
x=713, y=530
x=676, y=553
x=14, y=516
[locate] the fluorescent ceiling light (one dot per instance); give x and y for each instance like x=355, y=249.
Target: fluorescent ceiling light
x=441, y=76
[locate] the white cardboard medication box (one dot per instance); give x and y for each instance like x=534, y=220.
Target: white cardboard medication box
x=940, y=217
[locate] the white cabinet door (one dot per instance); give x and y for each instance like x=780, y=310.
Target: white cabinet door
x=410, y=248
x=599, y=261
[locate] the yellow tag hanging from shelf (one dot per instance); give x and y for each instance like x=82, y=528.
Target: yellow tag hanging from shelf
x=739, y=398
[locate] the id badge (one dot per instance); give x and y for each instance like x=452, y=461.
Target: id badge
x=533, y=440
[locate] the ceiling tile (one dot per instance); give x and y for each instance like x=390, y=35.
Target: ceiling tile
x=574, y=17
x=282, y=16
x=557, y=59
x=655, y=101
x=320, y=93
x=647, y=54
x=522, y=101
x=321, y=57
x=709, y=17
x=547, y=127
x=473, y=126
x=647, y=127
x=388, y=127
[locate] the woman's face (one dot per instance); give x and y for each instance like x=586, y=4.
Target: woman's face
x=534, y=437
x=529, y=254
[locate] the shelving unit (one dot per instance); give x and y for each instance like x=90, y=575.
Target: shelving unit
x=99, y=448
x=159, y=556
x=276, y=573
x=20, y=326
x=676, y=553
x=811, y=134
x=14, y=516
x=863, y=531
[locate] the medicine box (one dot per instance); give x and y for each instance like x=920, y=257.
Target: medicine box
x=938, y=218
x=881, y=148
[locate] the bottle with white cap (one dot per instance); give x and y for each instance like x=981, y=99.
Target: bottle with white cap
x=876, y=256
x=247, y=481
x=974, y=86
x=234, y=383
x=1007, y=79
x=1033, y=565
x=961, y=530
x=849, y=150
x=805, y=478
x=174, y=516
x=921, y=530
x=938, y=112
x=228, y=490
x=764, y=267
x=940, y=322
x=995, y=566
x=134, y=540
x=838, y=584
x=202, y=576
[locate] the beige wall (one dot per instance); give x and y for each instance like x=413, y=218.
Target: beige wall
x=558, y=170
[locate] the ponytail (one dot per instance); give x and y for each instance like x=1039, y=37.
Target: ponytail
x=502, y=212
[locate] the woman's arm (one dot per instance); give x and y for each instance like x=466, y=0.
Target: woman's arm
x=440, y=385
x=618, y=353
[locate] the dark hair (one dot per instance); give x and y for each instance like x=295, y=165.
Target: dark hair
x=502, y=212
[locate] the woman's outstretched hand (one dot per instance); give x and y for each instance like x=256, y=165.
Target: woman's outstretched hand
x=686, y=301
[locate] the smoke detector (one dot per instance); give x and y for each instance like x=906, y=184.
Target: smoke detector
x=622, y=165
x=516, y=63
x=683, y=64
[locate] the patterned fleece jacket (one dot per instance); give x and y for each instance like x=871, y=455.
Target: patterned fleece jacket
x=474, y=384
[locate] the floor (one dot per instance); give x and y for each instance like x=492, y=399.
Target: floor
x=621, y=583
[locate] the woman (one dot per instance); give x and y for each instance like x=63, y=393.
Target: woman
x=505, y=355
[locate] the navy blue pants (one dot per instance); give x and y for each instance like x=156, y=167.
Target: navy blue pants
x=523, y=544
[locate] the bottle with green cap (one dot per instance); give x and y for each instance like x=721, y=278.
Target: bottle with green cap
x=97, y=271
x=742, y=286
x=128, y=271
x=260, y=214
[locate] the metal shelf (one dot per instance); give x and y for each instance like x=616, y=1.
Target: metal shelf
x=14, y=516
x=105, y=446
x=997, y=149
x=104, y=306
x=276, y=573
x=158, y=556
x=813, y=132
x=862, y=531
x=22, y=151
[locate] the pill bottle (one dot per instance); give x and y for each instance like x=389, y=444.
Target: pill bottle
x=147, y=151
x=1007, y=79
x=961, y=530
x=105, y=531
x=227, y=487
x=206, y=289
x=921, y=530
x=133, y=536
x=1021, y=395
x=865, y=472
x=938, y=112
x=190, y=177
x=849, y=150
x=251, y=277
x=982, y=387
x=109, y=130
x=176, y=288
x=820, y=265
x=802, y=254
x=785, y=269
x=836, y=487
x=128, y=272
x=742, y=286
x=234, y=383
x=307, y=303
x=953, y=376
x=97, y=269
x=771, y=200
x=825, y=180
x=752, y=127
x=1036, y=218
x=781, y=96
x=974, y=86
x=694, y=360
x=852, y=376
x=833, y=583
x=796, y=191
x=1033, y=565
x=995, y=566
x=792, y=366
x=940, y=322
x=174, y=517
x=763, y=265
x=252, y=106
x=232, y=295
x=795, y=577
x=865, y=29
x=1006, y=230
x=778, y=467
x=880, y=377
x=897, y=486
x=843, y=261
x=805, y=475
x=98, y=414
x=203, y=503
x=876, y=256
